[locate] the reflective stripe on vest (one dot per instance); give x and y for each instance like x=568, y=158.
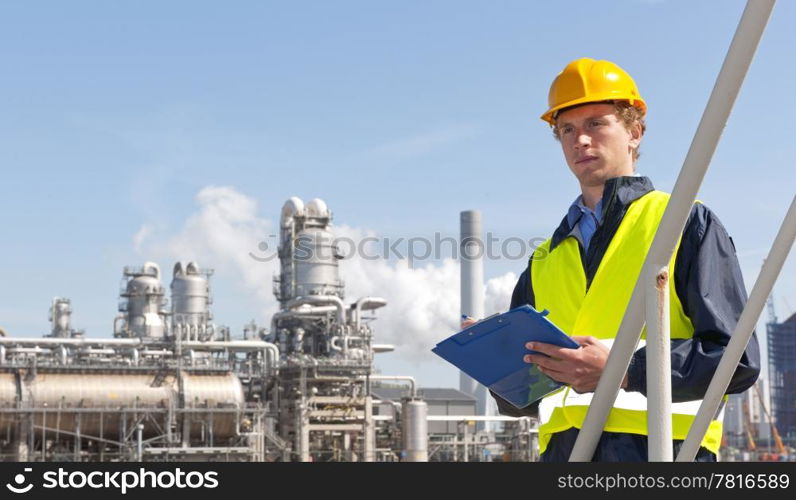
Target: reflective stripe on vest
x=559, y=285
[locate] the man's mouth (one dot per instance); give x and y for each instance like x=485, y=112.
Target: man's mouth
x=585, y=159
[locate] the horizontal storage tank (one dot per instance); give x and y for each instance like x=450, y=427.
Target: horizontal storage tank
x=113, y=392
x=107, y=404
x=8, y=400
x=8, y=390
x=212, y=392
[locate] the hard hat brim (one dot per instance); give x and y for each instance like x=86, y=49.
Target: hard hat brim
x=549, y=115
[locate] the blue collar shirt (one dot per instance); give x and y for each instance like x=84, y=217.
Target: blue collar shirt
x=583, y=221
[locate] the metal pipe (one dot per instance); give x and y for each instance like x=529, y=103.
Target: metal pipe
x=314, y=310
x=91, y=350
x=476, y=418
x=364, y=304
x=69, y=341
x=308, y=311
x=156, y=352
x=115, y=321
x=27, y=350
x=740, y=337
x=234, y=345
x=728, y=83
x=322, y=300
x=140, y=429
x=334, y=342
x=405, y=378
x=659, y=370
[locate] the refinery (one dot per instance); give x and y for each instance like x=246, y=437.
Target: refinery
x=171, y=385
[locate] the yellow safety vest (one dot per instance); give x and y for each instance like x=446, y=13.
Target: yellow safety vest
x=559, y=285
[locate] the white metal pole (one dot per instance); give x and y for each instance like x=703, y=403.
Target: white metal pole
x=140, y=429
x=740, y=337
x=659, y=368
x=728, y=84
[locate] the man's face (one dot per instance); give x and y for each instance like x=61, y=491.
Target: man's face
x=596, y=144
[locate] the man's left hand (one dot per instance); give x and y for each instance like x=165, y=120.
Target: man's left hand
x=580, y=368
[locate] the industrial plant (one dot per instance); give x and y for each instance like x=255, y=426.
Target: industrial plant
x=171, y=385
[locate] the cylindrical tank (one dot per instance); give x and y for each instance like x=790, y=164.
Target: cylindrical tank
x=414, y=426
x=8, y=400
x=317, y=208
x=8, y=391
x=110, y=391
x=105, y=404
x=292, y=207
x=315, y=257
x=212, y=392
x=190, y=295
x=144, y=295
x=61, y=317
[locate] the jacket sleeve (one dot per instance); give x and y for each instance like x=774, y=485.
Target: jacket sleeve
x=523, y=294
x=710, y=286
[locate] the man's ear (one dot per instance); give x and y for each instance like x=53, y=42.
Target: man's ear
x=635, y=135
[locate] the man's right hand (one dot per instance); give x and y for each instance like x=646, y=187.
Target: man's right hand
x=468, y=321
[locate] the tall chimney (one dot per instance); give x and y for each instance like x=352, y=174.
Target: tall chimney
x=471, y=260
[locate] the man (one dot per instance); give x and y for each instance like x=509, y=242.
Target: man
x=585, y=273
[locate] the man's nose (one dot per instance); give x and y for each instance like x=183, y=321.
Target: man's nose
x=582, y=140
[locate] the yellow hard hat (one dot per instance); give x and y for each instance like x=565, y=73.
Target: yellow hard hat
x=587, y=80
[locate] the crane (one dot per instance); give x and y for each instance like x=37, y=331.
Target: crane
x=774, y=432
x=747, y=425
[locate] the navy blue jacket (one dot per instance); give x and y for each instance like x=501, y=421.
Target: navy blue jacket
x=707, y=280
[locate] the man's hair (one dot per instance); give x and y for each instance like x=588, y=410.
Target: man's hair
x=627, y=114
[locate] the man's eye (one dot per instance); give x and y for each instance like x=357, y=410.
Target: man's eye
x=567, y=130
x=595, y=123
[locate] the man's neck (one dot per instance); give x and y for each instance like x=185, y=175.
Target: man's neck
x=592, y=195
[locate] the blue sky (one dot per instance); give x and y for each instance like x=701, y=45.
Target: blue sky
x=117, y=115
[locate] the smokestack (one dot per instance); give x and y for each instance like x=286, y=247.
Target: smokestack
x=471, y=261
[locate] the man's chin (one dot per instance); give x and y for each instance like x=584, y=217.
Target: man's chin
x=593, y=178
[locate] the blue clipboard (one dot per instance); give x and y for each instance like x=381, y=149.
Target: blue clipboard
x=491, y=352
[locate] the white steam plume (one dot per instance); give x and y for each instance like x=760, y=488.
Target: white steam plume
x=225, y=233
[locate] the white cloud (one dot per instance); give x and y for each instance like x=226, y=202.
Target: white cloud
x=141, y=236
x=498, y=293
x=423, y=302
x=222, y=234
